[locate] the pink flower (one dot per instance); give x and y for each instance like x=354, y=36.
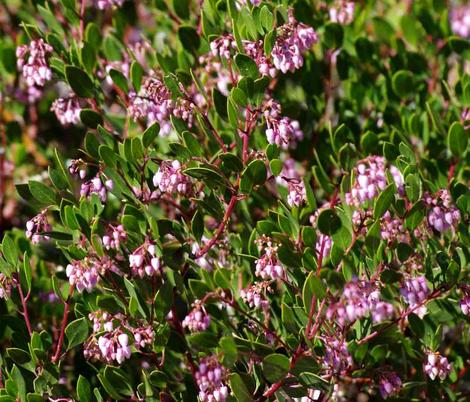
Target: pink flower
x=342, y=12
x=293, y=39
x=268, y=266
x=198, y=319
x=169, y=179
x=389, y=384
x=371, y=178
x=37, y=225
x=144, y=261
x=460, y=20
x=67, y=110
x=437, y=366
x=443, y=215
x=104, y=4
x=31, y=61
x=210, y=378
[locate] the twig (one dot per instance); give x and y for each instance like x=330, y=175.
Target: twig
x=63, y=326
x=220, y=229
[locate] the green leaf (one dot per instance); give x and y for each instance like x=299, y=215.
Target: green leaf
x=229, y=349
x=181, y=8
x=43, y=193
x=19, y=381
x=79, y=81
x=150, y=134
x=415, y=215
x=402, y=83
x=328, y=222
x=231, y=162
x=457, y=139
x=220, y=103
x=246, y=66
x=384, y=200
x=10, y=250
x=275, y=367
x=76, y=332
x=313, y=286
x=189, y=38
x=333, y=36
x=276, y=166
x=119, y=80
x=239, y=388
x=254, y=174
x=84, y=390
x=90, y=118
x=137, y=72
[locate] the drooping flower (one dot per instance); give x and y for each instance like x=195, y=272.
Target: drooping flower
x=437, y=366
x=169, y=179
x=197, y=320
x=32, y=62
x=115, y=236
x=282, y=131
x=415, y=291
x=268, y=266
x=443, y=215
x=389, y=384
x=342, y=12
x=211, y=380
x=371, y=178
x=292, y=40
x=36, y=226
x=104, y=4
x=144, y=260
x=85, y=274
x=67, y=110
x=460, y=20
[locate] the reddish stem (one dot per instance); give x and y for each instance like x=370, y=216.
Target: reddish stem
x=25, y=309
x=220, y=229
x=82, y=19
x=63, y=326
x=272, y=390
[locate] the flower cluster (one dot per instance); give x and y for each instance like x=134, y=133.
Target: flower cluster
x=210, y=378
x=67, y=110
x=96, y=186
x=85, y=274
x=268, y=266
x=255, y=297
x=110, y=342
x=358, y=299
x=115, y=236
x=169, y=179
x=389, y=384
x=198, y=319
x=282, y=131
x=32, y=62
x=6, y=284
x=292, y=40
x=465, y=301
x=104, y=4
x=36, y=226
x=460, y=20
x=154, y=103
x=144, y=260
x=78, y=167
x=342, y=12
x=297, y=193
x=415, y=291
x=337, y=357
x=437, y=366
x=370, y=179
x=443, y=214
x=392, y=229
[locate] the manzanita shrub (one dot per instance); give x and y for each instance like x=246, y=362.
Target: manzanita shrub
x=223, y=200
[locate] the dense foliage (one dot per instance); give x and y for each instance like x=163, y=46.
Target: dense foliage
x=232, y=200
